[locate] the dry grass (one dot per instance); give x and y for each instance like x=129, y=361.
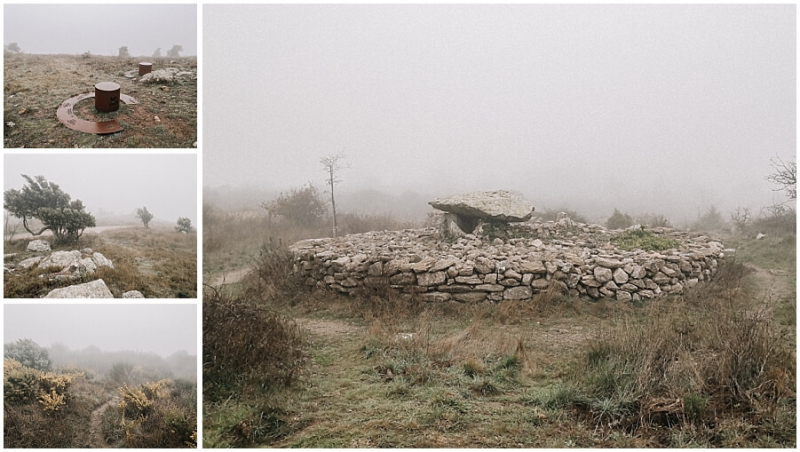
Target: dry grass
x=160, y=263
x=35, y=85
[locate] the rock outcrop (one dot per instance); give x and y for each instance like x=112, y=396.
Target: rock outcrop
x=499, y=205
x=38, y=246
x=92, y=289
x=566, y=256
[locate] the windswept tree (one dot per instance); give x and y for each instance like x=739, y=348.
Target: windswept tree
x=157, y=53
x=144, y=215
x=184, y=225
x=331, y=164
x=175, y=51
x=123, y=52
x=785, y=177
x=44, y=200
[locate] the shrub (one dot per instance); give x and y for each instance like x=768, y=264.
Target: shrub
x=51, y=401
x=20, y=383
x=711, y=221
x=619, y=220
x=301, y=206
x=247, y=345
x=28, y=353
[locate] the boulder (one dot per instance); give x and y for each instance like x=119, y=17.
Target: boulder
x=60, y=260
x=93, y=289
x=101, y=260
x=132, y=294
x=500, y=205
x=38, y=246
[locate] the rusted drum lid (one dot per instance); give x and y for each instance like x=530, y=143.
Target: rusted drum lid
x=107, y=86
x=106, y=96
x=145, y=68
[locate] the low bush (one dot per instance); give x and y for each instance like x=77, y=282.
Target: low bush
x=152, y=415
x=619, y=220
x=247, y=346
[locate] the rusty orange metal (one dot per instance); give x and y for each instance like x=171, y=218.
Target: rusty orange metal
x=106, y=96
x=145, y=68
x=67, y=116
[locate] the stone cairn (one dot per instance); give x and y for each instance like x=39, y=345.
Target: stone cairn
x=460, y=260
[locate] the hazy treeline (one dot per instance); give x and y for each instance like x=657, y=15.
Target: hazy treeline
x=177, y=365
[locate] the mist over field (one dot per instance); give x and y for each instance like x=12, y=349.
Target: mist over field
x=160, y=329
x=662, y=109
x=112, y=187
x=101, y=29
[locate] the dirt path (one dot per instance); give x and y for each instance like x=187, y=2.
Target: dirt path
x=773, y=283
x=232, y=277
x=326, y=327
x=96, y=426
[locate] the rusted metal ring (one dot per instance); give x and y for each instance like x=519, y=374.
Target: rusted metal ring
x=67, y=116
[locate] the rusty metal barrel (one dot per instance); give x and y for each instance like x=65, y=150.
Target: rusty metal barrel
x=106, y=96
x=145, y=68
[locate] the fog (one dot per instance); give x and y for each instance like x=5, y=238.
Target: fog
x=112, y=187
x=101, y=29
x=155, y=328
x=650, y=109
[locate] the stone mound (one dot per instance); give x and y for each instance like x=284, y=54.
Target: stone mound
x=570, y=257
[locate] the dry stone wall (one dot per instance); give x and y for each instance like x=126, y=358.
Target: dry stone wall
x=570, y=257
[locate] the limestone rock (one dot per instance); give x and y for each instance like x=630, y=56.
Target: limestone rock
x=38, y=246
x=93, y=289
x=518, y=293
x=30, y=262
x=501, y=205
x=132, y=294
x=60, y=260
x=101, y=260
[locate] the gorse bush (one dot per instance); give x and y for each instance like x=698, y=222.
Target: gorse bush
x=154, y=414
x=20, y=383
x=245, y=345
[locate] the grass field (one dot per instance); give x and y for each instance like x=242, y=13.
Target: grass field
x=712, y=368
x=35, y=85
x=159, y=262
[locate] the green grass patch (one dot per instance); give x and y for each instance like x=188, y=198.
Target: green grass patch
x=643, y=239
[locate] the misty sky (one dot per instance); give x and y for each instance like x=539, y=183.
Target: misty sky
x=659, y=108
x=157, y=328
x=165, y=184
x=101, y=29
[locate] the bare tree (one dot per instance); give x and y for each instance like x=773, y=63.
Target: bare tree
x=123, y=52
x=331, y=164
x=741, y=219
x=785, y=177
